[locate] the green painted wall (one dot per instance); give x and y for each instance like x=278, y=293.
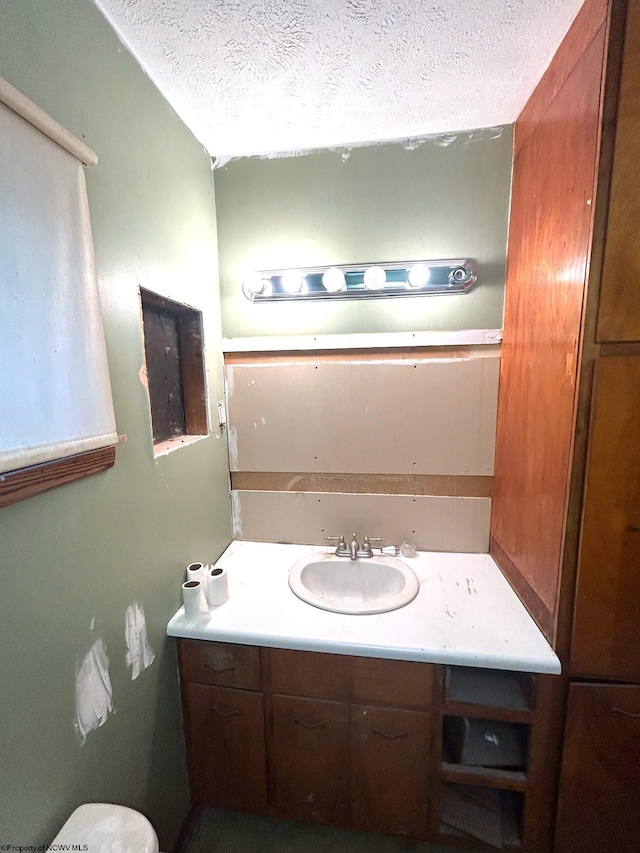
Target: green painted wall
x=79, y=555
x=447, y=198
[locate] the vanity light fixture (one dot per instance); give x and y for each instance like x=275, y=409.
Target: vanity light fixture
x=361, y=281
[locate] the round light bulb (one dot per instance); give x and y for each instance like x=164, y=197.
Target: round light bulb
x=254, y=283
x=292, y=281
x=375, y=278
x=419, y=275
x=334, y=280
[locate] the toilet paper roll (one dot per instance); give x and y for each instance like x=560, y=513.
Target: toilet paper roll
x=217, y=587
x=197, y=572
x=195, y=603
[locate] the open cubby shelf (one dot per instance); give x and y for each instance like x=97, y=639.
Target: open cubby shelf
x=489, y=693
x=492, y=817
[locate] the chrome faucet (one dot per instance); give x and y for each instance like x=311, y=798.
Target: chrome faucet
x=353, y=550
x=354, y=547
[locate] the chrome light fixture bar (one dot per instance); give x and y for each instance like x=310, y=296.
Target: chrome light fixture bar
x=361, y=281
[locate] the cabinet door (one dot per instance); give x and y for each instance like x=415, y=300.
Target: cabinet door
x=390, y=759
x=606, y=633
x=600, y=781
x=227, y=744
x=311, y=755
x=619, y=314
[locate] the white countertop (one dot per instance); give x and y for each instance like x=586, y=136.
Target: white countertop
x=465, y=614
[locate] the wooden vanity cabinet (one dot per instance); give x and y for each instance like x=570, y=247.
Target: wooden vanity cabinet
x=358, y=742
x=324, y=738
x=343, y=762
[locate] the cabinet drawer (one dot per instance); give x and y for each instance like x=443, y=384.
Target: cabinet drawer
x=224, y=664
x=329, y=676
x=392, y=682
x=316, y=674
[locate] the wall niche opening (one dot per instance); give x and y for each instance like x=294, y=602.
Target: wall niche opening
x=174, y=354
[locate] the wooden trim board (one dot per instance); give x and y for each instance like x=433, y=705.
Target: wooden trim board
x=27, y=482
x=371, y=484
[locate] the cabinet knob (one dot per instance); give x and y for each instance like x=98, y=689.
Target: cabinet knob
x=634, y=528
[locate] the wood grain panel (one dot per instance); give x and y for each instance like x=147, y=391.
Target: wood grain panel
x=549, y=246
x=619, y=314
x=227, y=740
x=377, y=354
x=192, y=370
x=606, y=632
x=311, y=751
x=370, y=484
x=389, y=763
x=585, y=27
x=600, y=781
x=28, y=482
x=162, y=357
x=392, y=682
x=224, y=664
x=431, y=523
x=397, y=416
x=310, y=674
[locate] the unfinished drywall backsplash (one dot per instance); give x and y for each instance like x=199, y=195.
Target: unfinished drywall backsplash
x=447, y=197
x=398, y=445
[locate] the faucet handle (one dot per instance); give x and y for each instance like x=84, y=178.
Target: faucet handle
x=341, y=550
x=365, y=548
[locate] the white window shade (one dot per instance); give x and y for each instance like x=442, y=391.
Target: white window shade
x=55, y=394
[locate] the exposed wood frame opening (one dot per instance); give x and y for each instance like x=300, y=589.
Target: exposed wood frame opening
x=174, y=354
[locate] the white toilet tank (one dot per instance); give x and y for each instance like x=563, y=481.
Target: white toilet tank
x=105, y=828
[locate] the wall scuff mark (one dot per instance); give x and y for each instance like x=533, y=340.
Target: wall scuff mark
x=139, y=652
x=93, y=692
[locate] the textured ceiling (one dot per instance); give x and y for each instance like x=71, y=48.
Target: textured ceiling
x=265, y=76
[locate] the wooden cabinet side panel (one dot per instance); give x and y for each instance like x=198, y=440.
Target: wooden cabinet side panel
x=311, y=755
x=227, y=748
x=585, y=26
x=549, y=245
x=606, y=633
x=619, y=313
x=600, y=780
x=390, y=763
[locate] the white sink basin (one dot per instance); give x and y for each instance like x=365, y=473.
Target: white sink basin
x=369, y=585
